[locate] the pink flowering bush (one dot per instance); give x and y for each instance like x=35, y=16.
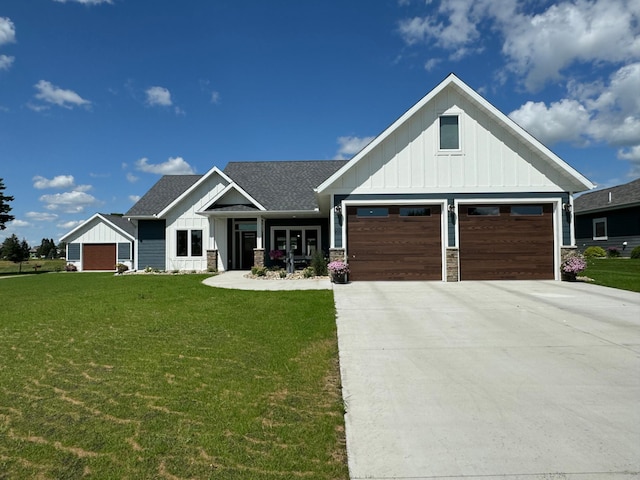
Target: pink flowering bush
x=338, y=267
x=574, y=265
x=276, y=254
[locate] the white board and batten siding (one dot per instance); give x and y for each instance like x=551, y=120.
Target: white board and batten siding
x=490, y=159
x=97, y=231
x=183, y=216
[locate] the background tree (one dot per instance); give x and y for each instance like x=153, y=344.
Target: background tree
x=5, y=208
x=15, y=251
x=47, y=249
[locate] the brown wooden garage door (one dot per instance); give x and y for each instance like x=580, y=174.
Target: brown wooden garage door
x=506, y=242
x=394, y=242
x=99, y=256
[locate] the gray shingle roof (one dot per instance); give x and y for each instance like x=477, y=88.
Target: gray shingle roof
x=120, y=222
x=621, y=195
x=165, y=191
x=283, y=185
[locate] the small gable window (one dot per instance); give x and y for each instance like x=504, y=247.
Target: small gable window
x=449, y=132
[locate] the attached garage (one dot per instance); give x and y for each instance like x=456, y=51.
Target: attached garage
x=506, y=242
x=399, y=242
x=99, y=256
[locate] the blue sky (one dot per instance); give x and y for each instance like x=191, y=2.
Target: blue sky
x=99, y=98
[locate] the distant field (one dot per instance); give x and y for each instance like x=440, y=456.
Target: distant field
x=7, y=268
x=159, y=376
x=623, y=273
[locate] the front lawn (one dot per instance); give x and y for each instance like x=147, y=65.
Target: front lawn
x=623, y=273
x=159, y=376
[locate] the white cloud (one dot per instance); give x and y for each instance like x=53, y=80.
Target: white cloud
x=594, y=112
x=7, y=31
x=69, y=202
x=540, y=46
x=60, y=181
x=537, y=46
x=215, y=97
x=158, y=96
x=41, y=216
x=173, y=166
x=85, y=2
x=131, y=178
x=57, y=96
x=19, y=223
x=71, y=224
x=349, y=146
x=566, y=120
x=6, y=62
x=134, y=198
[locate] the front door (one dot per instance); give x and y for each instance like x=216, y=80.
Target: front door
x=248, y=243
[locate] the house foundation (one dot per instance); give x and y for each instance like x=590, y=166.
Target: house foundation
x=212, y=260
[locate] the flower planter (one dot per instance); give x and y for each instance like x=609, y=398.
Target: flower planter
x=339, y=277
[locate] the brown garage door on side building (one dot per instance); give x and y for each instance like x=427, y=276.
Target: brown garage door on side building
x=400, y=242
x=506, y=242
x=99, y=256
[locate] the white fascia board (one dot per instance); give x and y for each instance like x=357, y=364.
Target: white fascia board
x=581, y=182
x=234, y=186
x=69, y=234
x=105, y=220
x=204, y=178
x=380, y=138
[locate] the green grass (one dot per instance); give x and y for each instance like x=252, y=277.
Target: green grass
x=620, y=273
x=158, y=376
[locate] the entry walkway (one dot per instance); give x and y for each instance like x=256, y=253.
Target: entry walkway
x=236, y=279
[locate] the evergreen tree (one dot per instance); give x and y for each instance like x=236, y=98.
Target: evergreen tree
x=15, y=251
x=5, y=208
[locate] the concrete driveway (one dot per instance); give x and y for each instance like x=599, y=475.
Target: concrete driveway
x=490, y=380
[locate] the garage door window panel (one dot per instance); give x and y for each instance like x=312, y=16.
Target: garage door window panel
x=373, y=212
x=526, y=210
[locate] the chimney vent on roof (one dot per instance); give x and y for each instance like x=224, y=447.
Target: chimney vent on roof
x=609, y=197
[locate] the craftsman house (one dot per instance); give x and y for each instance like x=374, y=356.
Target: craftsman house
x=452, y=190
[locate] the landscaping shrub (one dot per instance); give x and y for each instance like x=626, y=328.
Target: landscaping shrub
x=71, y=268
x=613, y=252
x=121, y=268
x=319, y=264
x=259, y=271
x=308, y=272
x=595, y=252
x=635, y=253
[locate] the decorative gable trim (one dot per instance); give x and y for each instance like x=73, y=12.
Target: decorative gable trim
x=103, y=219
x=578, y=181
x=233, y=186
x=193, y=187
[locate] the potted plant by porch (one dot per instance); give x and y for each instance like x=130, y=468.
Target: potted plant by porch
x=339, y=271
x=572, y=266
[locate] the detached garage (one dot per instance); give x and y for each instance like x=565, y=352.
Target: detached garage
x=100, y=243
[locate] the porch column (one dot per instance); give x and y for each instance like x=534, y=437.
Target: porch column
x=259, y=233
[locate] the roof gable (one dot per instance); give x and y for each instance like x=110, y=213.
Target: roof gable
x=115, y=222
x=396, y=144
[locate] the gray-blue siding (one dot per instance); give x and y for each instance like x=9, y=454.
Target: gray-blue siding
x=566, y=226
x=151, y=244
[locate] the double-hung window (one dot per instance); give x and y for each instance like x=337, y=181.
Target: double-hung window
x=189, y=243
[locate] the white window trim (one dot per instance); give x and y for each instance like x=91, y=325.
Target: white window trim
x=304, y=229
x=450, y=151
x=189, y=243
x=606, y=231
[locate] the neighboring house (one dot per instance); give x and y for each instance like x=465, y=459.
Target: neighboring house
x=100, y=243
x=452, y=190
x=609, y=218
